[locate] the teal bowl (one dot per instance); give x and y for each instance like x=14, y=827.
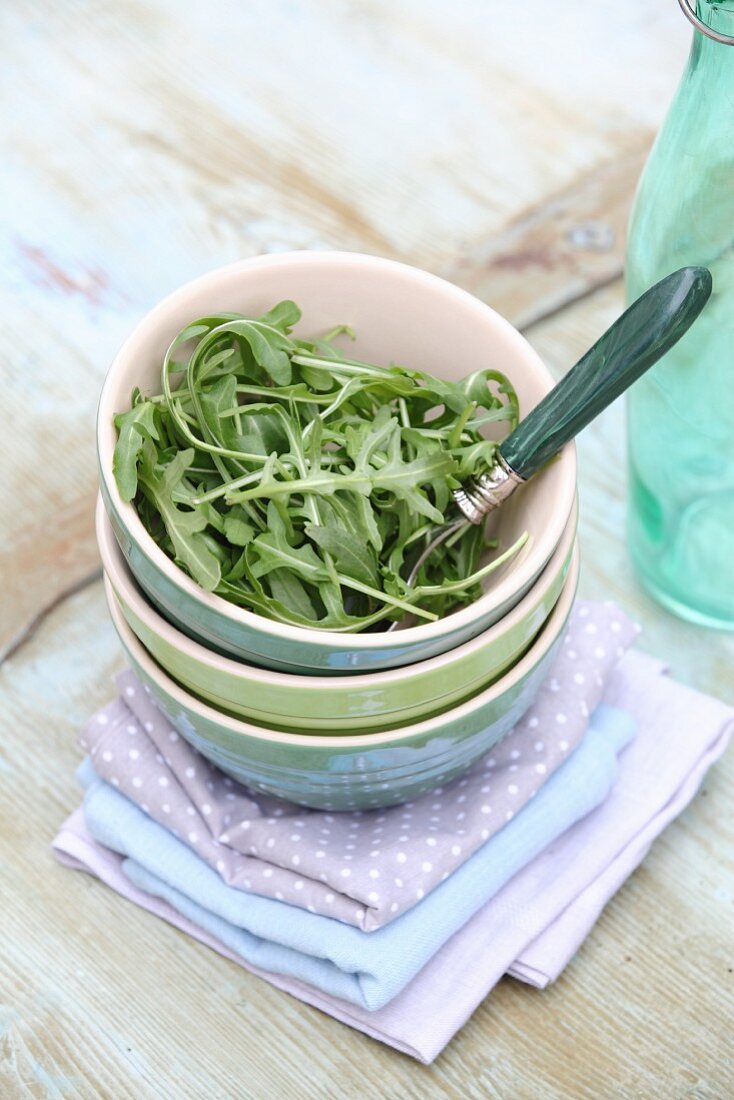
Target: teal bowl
x=400, y=314
x=357, y=703
x=349, y=772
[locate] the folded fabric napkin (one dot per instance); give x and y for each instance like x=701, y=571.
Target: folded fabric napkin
x=362, y=868
x=367, y=969
x=529, y=928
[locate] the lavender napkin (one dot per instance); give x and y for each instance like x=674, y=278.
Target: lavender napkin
x=365, y=968
x=536, y=923
x=361, y=868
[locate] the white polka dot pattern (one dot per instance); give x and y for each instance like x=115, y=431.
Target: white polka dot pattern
x=364, y=868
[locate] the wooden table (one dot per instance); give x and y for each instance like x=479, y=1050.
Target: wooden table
x=146, y=141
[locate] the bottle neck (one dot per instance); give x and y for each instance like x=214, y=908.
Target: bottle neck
x=712, y=61
x=719, y=15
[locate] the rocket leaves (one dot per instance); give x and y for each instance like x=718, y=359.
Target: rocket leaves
x=184, y=526
x=351, y=554
x=133, y=427
x=302, y=484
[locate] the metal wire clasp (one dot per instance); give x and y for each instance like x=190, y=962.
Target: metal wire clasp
x=479, y=496
x=688, y=9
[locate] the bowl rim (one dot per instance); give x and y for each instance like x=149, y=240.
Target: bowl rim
x=365, y=741
x=539, y=550
x=122, y=580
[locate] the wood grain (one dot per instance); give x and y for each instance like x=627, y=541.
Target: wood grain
x=567, y=246
x=152, y=141
x=465, y=146
x=98, y=999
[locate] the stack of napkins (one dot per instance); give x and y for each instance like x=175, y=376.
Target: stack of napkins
x=400, y=921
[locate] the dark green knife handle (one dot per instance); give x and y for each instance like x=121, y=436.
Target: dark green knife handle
x=644, y=332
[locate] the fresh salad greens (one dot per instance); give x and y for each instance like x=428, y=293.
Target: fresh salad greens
x=302, y=484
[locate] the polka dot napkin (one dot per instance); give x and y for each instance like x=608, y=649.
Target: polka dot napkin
x=530, y=927
x=362, y=868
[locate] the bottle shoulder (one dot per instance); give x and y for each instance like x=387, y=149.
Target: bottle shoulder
x=684, y=204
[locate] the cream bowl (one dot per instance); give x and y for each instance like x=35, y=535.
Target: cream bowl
x=400, y=314
x=378, y=700
x=353, y=771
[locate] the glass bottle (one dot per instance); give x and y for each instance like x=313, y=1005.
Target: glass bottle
x=681, y=413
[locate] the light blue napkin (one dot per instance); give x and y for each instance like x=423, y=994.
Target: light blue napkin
x=367, y=969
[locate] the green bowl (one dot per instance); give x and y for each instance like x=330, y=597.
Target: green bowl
x=379, y=700
x=353, y=771
x=400, y=314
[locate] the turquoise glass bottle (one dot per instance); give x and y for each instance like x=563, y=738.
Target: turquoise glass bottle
x=681, y=414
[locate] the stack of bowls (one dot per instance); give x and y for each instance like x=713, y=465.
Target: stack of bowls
x=331, y=720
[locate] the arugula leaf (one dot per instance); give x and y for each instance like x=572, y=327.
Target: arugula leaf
x=301, y=483
x=134, y=427
x=237, y=531
x=274, y=552
x=475, y=388
x=270, y=348
x=288, y=590
x=184, y=528
x=284, y=316
x=352, y=556
x=404, y=479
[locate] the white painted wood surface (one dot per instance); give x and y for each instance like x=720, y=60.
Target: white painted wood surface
x=145, y=141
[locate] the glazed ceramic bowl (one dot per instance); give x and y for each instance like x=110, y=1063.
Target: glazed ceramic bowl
x=378, y=700
x=356, y=771
x=400, y=314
